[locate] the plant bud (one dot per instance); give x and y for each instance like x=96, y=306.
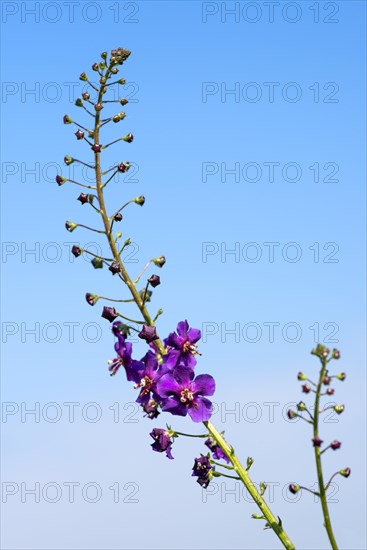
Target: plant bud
x=79, y=102
x=83, y=77
x=95, y=67
x=301, y=406
x=83, y=198
x=92, y=299
x=339, y=408
x=335, y=445
x=160, y=261
x=70, y=226
x=345, y=473
x=85, y=96
x=60, y=180
x=114, y=70
x=114, y=268
x=68, y=160
x=326, y=381
x=148, y=333
x=117, y=217
x=128, y=138
x=98, y=107
x=102, y=65
x=301, y=376
x=145, y=293
x=109, y=313
x=306, y=388
x=103, y=80
x=291, y=414
x=121, y=81
x=140, y=200
x=76, y=250
x=97, y=263
x=104, y=55
x=330, y=391
x=294, y=488
x=67, y=119
x=341, y=376
x=154, y=280
x=124, y=102
x=317, y=442
x=79, y=134
x=124, y=166
x=96, y=148
x=335, y=354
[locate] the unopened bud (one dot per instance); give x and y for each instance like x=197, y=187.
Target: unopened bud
x=96, y=148
x=114, y=268
x=70, y=226
x=335, y=354
x=301, y=406
x=154, y=280
x=98, y=107
x=104, y=55
x=92, y=299
x=83, y=77
x=124, y=166
x=83, y=198
x=109, y=313
x=124, y=101
x=326, y=381
x=97, y=263
x=114, y=70
x=339, y=408
x=317, y=442
x=117, y=217
x=76, y=250
x=67, y=119
x=291, y=414
x=79, y=134
x=335, y=445
x=140, y=200
x=330, y=391
x=345, y=473
x=121, y=81
x=306, y=388
x=86, y=96
x=294, y=488
x=128, y=138
x=60, y=180
x=79, y=102
x=68, y=160
x=95, y=67
x=341, y=376
x=301, y=376
x=160, y=261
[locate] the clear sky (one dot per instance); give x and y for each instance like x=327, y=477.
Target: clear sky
x=249, y=125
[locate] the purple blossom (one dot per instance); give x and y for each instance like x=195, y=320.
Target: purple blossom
x=162, y=442
x=146, y=374
x=151, y=409
x=124, y=350
x=216, y=450
x=201, y=470
x=182, y=394
x=183, y=345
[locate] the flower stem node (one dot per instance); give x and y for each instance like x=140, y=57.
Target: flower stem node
x=109, y=313
x=159, y=261
x=70, y=226
x=97, y=263
x=339, y=409
x=60, y=180
x=345, y=473
x=67, y=119
x=140, y=200
x=92, y=299
x=76, y=251
x=68, y=160
x=294, y=488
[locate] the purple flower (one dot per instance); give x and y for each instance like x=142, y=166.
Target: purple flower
x=146, y=374
x=182, y=394
x=162, y=442
x=183, y=345
x=201, y=470
x=109, y=313
x=216, y=450
x=124, y=350
x=151, y=409
x=148, y=334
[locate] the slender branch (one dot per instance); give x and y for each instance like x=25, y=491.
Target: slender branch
x=320, y=476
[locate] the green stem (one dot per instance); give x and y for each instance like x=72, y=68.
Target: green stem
x=320, y=476
x=273, y=522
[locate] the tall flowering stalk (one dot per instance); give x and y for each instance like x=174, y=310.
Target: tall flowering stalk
x=165, y=378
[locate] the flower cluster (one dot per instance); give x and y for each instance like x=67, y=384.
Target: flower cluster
x=167, y=381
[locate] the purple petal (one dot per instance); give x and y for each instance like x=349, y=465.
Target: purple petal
x=174, y=407
x=174, y=341
x=184, y=375
x=171, y=358
x=168, y=386
x=204, y=384
x=182, y=328
x=202, y=411
x=194, y=335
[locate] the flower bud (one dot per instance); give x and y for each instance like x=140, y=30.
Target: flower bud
x=124, y=166
x=103, y=80
x=335, y=445
x=127, y=242
x=91, y=134
x=83, y=77
x=98, y=107
x=330, y=391
x=97, y=263
x=124, y=101
x=96, y=148
x=109, y=313
x=79, y=102
x=79, y=134
x=140, y=200
x=67, y=119
x=345, y=473
x=86, y=96
x=102, y=65
x=83, y=198
x=160, y=261
x=301, y=406
x=60, y=180
x=76, y=250
x=104, y=55
x=148, y=333
x=118, y=235
x=114, y=70
x=301, y=376
x=154, y=280
x=117, y=217
x=114, y=268
x=294, y=488
x=339, y=408
x=317, y=442
x=326, y=381
x=95, y=67
x=306, y=388
x=145, y=294
x=335, y=354
x=70, y=226
x=92, y=299
x=68, y=160
x=121, y=81
x=128, y=138
x=291, y=414
x=320, y=351
x=341, y=376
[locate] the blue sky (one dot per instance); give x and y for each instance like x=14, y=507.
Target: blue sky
x=250, y=149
